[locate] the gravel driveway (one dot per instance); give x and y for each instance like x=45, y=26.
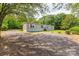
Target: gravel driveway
x=39, y=44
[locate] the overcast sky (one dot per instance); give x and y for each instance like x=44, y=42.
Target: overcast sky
x=55, y=11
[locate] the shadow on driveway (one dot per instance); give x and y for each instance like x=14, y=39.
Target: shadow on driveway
x=38, y=45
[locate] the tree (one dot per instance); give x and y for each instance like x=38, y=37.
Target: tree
x=13, y=22
x=54, y=20
x=69, y=21
x=74, y=7
x=58, y=19
x=28, y=10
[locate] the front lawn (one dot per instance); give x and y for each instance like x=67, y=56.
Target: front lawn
x=58, y=31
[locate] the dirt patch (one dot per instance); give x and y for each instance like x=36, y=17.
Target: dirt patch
x=37, y=44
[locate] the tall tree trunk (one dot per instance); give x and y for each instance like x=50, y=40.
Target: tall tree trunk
x=2, y=16
x=1, y=39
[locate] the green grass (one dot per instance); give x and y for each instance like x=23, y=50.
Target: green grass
x=19, y=29
x=58, y=31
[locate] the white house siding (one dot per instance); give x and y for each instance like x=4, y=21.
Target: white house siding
x=31, y=27
x=25, y=27
x=36, y=28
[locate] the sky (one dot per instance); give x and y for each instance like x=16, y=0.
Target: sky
x=55, y=11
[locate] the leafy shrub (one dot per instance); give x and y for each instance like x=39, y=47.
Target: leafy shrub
x=74, y=30
x=11, y=24
x=67, y=31
x=4, y=27
x=59, y=32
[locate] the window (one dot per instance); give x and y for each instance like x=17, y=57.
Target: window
x=32, y=26
x=41, y=26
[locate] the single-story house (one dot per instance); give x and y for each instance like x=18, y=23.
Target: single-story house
x=33, y=27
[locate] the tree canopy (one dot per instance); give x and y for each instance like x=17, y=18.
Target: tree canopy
x=27, y=10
